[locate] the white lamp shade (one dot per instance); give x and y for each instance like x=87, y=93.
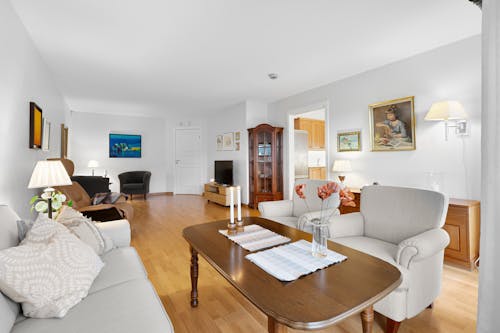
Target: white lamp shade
x=93, y=164
x=48, y=174
x=446, y=110
x=341, y=166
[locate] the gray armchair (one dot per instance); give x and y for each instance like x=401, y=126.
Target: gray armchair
x=135, y=182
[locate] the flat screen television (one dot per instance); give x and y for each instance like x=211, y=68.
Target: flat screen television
x=224, y=172
x=125, y=145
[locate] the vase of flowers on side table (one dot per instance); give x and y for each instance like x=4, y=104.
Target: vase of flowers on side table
x=321, y=225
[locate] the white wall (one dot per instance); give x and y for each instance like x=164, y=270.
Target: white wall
x=232, y=119
x=89, y=140
x=450, y=72
x=24, y=78
x=239, y=117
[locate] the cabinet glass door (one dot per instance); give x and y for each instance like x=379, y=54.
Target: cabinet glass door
x=264, y=162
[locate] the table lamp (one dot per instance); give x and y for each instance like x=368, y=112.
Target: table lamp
x=446, y=111
x=47, y=174
x=341, y=166
x=93, y=164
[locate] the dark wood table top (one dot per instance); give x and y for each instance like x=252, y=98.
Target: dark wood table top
x=314, y=301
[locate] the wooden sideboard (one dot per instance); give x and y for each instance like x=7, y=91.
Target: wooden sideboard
x=462, y=224
x=357, y=201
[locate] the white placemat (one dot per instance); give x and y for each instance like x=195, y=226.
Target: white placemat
x=291, y=261
x=254, y=237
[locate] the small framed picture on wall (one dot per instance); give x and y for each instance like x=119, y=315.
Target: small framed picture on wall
x=228, y=141
x=349, y=141
x=218, y=140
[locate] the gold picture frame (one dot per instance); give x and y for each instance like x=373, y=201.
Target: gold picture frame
x=348, y=141
x=392, y=125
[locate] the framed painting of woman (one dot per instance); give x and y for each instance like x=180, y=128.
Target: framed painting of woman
x=392, y=125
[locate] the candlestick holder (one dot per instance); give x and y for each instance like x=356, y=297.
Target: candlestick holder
x=240, y=226
x=232, y=229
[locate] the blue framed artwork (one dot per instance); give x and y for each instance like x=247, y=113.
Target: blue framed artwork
x=125, y=145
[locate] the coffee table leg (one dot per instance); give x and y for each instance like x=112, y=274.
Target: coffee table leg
x=274, y=327
x=367, y=319
x=194, y=278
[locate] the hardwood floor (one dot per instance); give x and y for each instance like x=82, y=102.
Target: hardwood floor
x=157, y=236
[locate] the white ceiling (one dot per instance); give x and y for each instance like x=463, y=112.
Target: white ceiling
x=162, y=56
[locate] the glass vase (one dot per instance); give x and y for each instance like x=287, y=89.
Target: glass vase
x=320, y=233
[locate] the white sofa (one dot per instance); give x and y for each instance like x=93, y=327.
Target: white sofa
x=402, y=226
x=295, y=212
x=121, y=299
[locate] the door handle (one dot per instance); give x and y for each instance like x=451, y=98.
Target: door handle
x=177, y=161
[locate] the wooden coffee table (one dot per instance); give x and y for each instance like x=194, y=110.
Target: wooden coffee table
x=314, y=301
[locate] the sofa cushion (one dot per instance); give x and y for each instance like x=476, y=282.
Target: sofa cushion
x=377, y=248
x=8, y=238
x=121, y=265
x=50, y=271
x=129, y=307
x=84, y=228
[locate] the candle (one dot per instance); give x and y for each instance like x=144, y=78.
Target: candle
x=231, y=205
x=238, y=201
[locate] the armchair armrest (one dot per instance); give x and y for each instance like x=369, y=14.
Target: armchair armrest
x=304, y=219
x=347, y=225
x=118, y=231
x=421, y=246
x=276, y=208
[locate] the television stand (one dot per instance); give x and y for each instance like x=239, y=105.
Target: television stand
x=217, y=193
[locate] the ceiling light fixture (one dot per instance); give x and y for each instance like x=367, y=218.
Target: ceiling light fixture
x=273, y=76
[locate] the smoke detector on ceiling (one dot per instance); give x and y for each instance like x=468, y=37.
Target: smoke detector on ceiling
x=273, y=76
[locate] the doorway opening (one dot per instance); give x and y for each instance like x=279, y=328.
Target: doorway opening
x=308, y=145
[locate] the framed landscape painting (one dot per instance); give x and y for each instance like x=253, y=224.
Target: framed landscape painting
x=349, y=141
x=392, y=125
x=125, y=145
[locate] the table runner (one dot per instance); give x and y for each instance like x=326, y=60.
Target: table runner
x=256, y=238
x=291, y=261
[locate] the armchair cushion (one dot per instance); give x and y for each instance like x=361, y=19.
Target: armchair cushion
x=305, y=219
x=383, y=250
x=394, y=214
x=347, y=225
x=276, y=208
x=312, y=203
x=421, y=246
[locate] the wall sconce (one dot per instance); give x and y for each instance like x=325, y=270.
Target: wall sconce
x=446, y=111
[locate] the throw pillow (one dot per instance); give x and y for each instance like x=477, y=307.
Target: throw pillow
x=85, y=229
x=49, y=272
x=23, y=226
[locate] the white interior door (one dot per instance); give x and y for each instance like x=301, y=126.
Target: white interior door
x=188, y=161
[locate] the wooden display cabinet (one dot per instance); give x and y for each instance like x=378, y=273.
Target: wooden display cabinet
x=266, y=164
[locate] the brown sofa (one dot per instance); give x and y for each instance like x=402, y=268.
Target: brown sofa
x=102, y=212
